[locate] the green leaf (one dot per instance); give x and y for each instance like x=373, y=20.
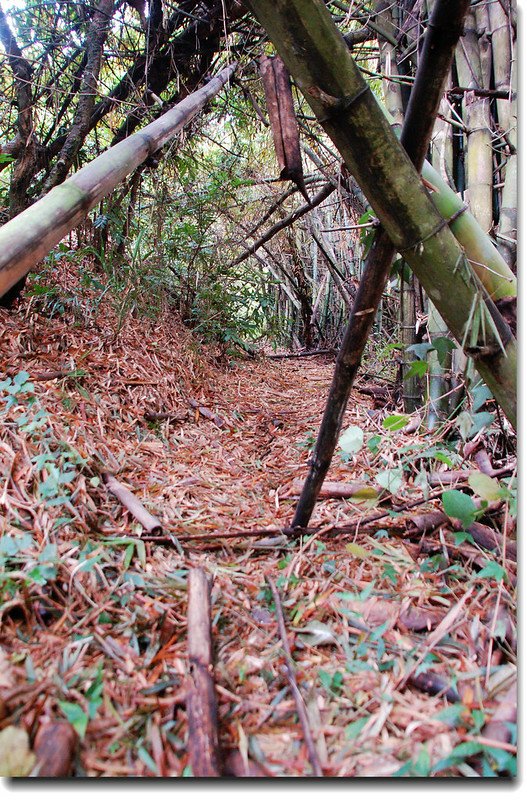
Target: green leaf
x=395, y=422
x=352, y=730
x=479, y=421
x=458, y=755
x=417, y=368
x=443, y=347
x=128, y=555
x=352, y=439
x=357, y=551
x=492, y=570
x=420, y=350
x=460, y=506
x=464, y=424
x=390, y=479
x=21, y=378
x=373, y=443
x=147, y=759
x=75, y=715
x=422, y=764
x=480, y=395
x=485, y=487
x=452, y=714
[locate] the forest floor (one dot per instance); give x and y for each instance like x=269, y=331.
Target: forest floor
x=402, y=631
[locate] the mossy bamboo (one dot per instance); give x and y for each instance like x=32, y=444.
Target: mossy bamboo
x=28, y=237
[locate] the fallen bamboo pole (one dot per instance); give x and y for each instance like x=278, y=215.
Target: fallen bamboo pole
x=27, y=238
x=202, y=708
x=150, y=523
x=326, y=352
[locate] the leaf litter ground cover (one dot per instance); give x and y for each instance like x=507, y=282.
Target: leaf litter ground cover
x=400, y=624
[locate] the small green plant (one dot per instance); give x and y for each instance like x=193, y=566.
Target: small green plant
x=79, y=715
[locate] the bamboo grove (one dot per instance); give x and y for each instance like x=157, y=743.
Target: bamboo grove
x=258, y=210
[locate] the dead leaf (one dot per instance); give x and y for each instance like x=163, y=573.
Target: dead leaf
x=16, y=758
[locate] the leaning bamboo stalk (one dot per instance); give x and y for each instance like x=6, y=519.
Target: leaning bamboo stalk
x=27, y=238
x=483, y=256
x=370, y=131
x=317, y=57
x=202, y=707
x=150, y=523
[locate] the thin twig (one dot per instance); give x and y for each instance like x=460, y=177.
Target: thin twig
x=289, y=671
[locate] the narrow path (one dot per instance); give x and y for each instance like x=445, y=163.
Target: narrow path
x=94, y=622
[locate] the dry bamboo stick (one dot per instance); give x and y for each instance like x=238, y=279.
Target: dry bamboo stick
x=290, y=675
x=208, y=414
x=328, y=351
x=150, y=523
x=337, y=489
x=202, y=709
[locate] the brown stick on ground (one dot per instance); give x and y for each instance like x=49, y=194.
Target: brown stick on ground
x=202, y=709
x=328, y=351
x=336, y=488
x=162, y=416
x=290, y=675
x=208, y=414
x=150, y=523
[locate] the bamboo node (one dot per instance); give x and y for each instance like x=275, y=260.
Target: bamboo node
x=420, y=242
x=335, y=105
x=364, y=312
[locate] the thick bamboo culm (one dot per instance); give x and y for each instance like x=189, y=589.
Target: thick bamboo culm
x=28, y=237
x=314, y=51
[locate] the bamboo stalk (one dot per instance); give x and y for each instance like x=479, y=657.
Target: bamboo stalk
x=28, y=237
x=349, y=113
x=473, y=67
x=202, y=706
x=483, y=256
x=364, y=131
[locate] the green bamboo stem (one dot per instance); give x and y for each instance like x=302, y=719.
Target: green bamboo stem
x=473, y=68
x=318, y=59
x=483, y=256
x=437, y=384
x=504, y=64
x=28, y=237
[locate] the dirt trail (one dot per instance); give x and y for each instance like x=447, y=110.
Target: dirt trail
x=94, y=622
